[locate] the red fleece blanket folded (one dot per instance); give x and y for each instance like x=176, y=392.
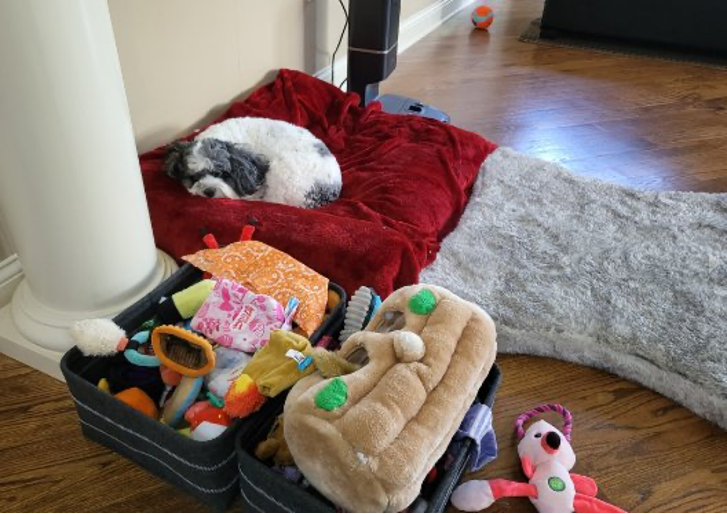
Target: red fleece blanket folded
x=406, y=181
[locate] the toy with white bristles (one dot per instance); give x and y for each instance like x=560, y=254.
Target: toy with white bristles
x=99, y=337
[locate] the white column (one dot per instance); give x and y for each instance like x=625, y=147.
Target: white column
x=70, y=183
x=6, y=247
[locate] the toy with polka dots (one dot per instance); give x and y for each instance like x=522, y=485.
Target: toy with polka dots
x=546, y=457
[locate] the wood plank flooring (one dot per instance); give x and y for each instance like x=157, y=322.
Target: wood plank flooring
x=640, y=122
x=644, y=123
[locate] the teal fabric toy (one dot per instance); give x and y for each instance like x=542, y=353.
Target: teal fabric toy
x=134, y=356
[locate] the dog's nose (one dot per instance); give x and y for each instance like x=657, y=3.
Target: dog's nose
x=551, y=442
x=209, y=192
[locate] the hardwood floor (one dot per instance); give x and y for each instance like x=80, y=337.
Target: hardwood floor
x=644, y=123
x=640, y=122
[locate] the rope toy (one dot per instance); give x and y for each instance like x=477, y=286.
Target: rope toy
x=548, y=407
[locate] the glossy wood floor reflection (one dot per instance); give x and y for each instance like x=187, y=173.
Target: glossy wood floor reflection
x=644, y=123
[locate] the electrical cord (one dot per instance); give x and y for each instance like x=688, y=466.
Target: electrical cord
x=338, y=46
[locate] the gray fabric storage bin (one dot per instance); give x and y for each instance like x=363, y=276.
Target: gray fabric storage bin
x=264, y=490
x=205, y=470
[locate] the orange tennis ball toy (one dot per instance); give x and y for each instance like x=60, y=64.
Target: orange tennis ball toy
x=482, y=17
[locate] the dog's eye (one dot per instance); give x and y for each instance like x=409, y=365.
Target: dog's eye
x=538, y=435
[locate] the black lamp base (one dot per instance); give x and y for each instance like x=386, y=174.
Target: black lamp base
x=373, y=38
x=396, y=104
x=373, y=44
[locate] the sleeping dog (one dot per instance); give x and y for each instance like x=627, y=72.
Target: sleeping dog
x=257, y=159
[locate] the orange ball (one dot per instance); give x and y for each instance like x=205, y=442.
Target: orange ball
x=482, y=17
x=139, y=400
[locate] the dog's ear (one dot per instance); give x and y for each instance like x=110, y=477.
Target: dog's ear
x=216, y=153
x=174, y=157
x=247, y=170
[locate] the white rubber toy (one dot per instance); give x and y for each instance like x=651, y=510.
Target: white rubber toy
x=356, y=312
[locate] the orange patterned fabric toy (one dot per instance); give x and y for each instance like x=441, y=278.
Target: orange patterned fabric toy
x=268, y=271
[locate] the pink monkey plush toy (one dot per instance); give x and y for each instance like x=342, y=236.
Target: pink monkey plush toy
x=547, y=458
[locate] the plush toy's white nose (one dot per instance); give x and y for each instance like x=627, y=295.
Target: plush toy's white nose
x=409, y=346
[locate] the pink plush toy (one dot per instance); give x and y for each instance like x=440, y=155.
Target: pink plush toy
x=547, y=458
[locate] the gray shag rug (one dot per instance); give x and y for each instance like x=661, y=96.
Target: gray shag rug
x=632, y=282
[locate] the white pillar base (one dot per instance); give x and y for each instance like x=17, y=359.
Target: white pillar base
x=49, y=327
x=15, y=346
x=11, y=274
x=25, y=320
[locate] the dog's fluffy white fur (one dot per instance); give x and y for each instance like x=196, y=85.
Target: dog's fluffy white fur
x=257, y=159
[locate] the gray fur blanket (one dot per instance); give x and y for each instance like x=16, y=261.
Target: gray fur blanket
x=633, y=282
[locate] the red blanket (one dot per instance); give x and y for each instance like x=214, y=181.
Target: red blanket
x=406, y=181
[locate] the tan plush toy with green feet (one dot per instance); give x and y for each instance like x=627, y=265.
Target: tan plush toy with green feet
x=367, y=439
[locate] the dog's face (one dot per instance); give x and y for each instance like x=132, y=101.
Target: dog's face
x=216, y=169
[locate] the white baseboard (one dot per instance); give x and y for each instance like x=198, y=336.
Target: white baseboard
x=11, y=274
x=12, y=342
x=428, y=20
x=15, y=346
x=411, y=30
x=340, y=69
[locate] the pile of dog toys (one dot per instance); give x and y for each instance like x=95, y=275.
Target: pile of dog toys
x=218, y=349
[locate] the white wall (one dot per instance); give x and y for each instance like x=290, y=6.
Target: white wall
x=184, y=60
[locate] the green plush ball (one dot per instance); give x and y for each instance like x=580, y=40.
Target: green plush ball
x=333, y=396
x=423, y=302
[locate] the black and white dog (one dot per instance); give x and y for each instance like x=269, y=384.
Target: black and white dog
x=257, y=159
